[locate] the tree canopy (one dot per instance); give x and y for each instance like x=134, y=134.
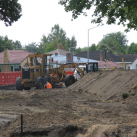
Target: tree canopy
x=5, y=43
x=114, y=42
x=116, y=11
x=132, y=49
x=57, y=37
x=10, y=11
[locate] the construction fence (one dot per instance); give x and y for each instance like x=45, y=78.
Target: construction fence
x=9, y=78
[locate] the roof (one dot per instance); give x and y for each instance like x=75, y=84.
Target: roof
x=62, y=59
x=96, y=56
x=15, y=56
x=58, y=51
x=109, y=64
x=129, y=57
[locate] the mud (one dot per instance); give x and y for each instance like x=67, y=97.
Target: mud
x=92, y=107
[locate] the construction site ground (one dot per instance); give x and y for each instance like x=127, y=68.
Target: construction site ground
x=92, y=107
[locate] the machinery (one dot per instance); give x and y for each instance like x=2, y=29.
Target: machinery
x=39, y=71
x=34, y=73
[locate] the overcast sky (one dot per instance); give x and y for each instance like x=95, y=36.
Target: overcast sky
x=39, y=16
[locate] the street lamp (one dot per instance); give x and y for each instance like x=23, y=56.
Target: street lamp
x=88, y=41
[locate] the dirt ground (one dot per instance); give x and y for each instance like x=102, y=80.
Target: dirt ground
x=92, y=107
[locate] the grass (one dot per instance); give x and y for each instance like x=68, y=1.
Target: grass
x=2, y=97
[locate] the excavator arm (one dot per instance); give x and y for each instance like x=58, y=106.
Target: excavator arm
x=81, y=73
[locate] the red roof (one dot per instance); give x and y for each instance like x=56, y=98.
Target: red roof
x=15, y=56
x=109, y=64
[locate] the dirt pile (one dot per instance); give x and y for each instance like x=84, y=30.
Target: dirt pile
x=107, y=85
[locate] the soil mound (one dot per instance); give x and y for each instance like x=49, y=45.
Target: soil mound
x=107, y=85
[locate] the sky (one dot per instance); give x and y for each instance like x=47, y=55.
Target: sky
x=39, y=16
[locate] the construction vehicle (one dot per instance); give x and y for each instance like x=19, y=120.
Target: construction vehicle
x=39, y=71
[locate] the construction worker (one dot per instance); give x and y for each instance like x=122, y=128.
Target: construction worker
x=47, y=85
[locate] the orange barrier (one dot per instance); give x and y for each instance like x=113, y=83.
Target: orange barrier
x=69, y=73
x=9, y=78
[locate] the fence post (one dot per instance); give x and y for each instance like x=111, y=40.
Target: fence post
x=21, y=125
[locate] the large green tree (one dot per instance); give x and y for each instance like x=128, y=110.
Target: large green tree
x=10, y=11
x=57, y=33
x=116, y=11
x=114, y=42
x=57, y=37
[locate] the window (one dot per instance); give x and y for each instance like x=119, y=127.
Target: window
x=16, y=68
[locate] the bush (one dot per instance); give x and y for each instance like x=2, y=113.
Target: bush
x=126, y=95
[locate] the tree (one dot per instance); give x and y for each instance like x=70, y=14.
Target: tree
x=50, y=47
x=84, y=49
x=114, y=10
x=5, y=43
x=78, y=50
x=57, y=37
x=43, y=44
x=73, y=44
x=53, y=46
x=32, y=47
x=115, y=42
x=17, y=45
x=67, y=44
x=10, y=11
x=103, y=47
x=92, y=47
x=58, y=34
x=132, y=49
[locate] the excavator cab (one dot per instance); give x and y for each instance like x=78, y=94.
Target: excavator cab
x=91, y=67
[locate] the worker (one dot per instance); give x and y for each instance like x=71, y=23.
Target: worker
x=47, y=85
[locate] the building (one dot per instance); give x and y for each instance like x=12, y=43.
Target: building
x=13, y=60
x=130, y=60
x=100, y=56
x=63, y=59
x=69, y=58
x=108, y=65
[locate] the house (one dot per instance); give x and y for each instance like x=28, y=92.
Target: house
x=58, y=52
x=108, y=65
x=100, y=56
x=13, y=60
x=130, y=60
x=69, y=58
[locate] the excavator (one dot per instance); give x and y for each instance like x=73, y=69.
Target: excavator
x=39, y=71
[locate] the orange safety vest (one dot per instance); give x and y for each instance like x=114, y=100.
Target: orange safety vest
x=49, y=85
